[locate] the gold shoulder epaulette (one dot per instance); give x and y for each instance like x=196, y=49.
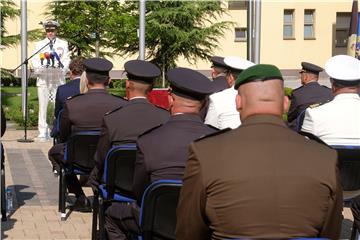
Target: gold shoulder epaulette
x=114, y=110
x=74, y=96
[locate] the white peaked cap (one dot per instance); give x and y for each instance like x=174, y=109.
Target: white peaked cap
x=238, y=63
x=343, y=67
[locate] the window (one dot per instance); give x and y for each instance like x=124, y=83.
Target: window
x=240, y=34
x=341, y=37
x=288, y=32
x=237, y=4
x=309, y=20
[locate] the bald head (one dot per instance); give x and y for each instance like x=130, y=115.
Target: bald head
x=261, y=97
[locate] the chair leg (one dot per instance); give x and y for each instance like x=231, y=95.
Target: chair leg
x=101, y=218
x=3, y=200
x=60, y=187
x=95, y=216
x=63, y=195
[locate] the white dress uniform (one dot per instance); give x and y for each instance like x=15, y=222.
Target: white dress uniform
x=50, y=76
x=222, y=112
x=338, y=122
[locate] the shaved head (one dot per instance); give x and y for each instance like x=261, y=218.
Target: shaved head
x=261, y=97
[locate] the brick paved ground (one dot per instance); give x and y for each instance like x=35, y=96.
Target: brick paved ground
x=28, y=174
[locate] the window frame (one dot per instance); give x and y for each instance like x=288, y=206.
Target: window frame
x=312, y=11
x=240, y=39
x=292, y=24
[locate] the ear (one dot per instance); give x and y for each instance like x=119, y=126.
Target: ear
x=238, y=102
x=127, y=84
x=286, y=104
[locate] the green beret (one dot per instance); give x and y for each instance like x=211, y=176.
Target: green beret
x=259, y=72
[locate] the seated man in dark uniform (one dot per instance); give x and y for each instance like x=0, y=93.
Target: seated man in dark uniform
x=242, y=183
x=167, y=157
x=309, y=93
x=69, y=89
x=126, y=123
x=84, y=112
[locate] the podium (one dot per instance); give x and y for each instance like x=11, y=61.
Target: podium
x=51, y=78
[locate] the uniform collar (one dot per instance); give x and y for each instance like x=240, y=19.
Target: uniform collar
x=264, y=118
x=186, y=117
x=97, y=91
x=314, y=82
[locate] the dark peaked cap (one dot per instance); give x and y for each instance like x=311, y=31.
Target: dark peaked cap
x=188, y=83
x=99, y=66
x=309, y=67
x=218, y=62
x=140, y=70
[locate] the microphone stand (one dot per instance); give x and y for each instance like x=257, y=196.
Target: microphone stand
x=25, y=62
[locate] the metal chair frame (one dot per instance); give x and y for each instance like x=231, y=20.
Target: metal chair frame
x=114, y=188
x=74, y=165
x=150, y=197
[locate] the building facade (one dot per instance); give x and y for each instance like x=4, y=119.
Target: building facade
x=291, y=32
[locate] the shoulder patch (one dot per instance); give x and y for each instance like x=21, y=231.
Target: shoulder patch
x=315, y=105
x=114, y=110
x=213, y=134
x=74, y=96
x=149, y=130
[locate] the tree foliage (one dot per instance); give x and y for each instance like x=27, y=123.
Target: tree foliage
x=174, y=29
x=9, y=11
x=84, y=24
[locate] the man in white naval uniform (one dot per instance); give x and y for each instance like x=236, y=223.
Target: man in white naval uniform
x=222, y=112
x=338, y=121
x=51, y=65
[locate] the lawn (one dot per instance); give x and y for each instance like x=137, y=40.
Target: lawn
x=11, y=102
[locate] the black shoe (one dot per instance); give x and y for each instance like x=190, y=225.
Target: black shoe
x=82, y=204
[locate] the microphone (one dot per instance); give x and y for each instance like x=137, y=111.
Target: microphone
x=47, y=56
x=42, y=57
x=58, y=59
x=52, y=57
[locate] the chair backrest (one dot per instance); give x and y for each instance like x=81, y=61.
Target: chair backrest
x=349, y=166
x=119, y=170
x=80, y=149
x=158, y=209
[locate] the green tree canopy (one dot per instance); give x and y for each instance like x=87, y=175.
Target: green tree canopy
x=84, y=25
x=174, y=29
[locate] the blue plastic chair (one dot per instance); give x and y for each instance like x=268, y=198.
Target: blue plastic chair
x=117, y=183
x=79, y=159
x=158, y=210
x=349, y=167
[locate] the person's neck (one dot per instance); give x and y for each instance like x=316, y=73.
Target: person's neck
x=132, y=95
x=346, y=90
x=94, y=87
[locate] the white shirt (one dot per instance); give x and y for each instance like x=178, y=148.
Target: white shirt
x=61, y=48
x=222, y=111
x=336, y=122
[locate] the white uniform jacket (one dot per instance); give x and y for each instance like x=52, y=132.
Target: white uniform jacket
x=336, y=122
x=222, y=111
x=61, y=48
